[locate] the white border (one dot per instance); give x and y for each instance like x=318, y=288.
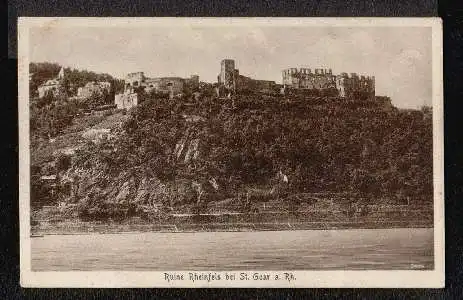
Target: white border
x=325, y=279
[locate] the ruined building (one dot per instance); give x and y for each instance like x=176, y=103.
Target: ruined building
x=320, y=82
x=94, y=88
x=323, y=80
x=304, y=78
x=230, y=79
x=354, y=85
x=227, y=74
x=169, y=85
x=127, y=99
x=53, y=86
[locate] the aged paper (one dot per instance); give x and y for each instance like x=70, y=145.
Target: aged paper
x=231, y=152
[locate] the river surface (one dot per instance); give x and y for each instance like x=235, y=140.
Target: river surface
x=357, y=249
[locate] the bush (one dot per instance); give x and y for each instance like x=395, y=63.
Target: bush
x=63, y=162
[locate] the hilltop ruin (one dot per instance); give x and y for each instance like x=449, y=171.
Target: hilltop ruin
x=168, y=85
x=320, y=82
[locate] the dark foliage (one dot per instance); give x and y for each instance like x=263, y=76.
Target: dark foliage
x=321, y=144
x=50, y=115
x=41, y=72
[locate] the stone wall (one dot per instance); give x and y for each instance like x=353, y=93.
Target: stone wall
x=304, y=78
x=247, y=83
x=192, y=83
x=346, y=85
x=52, y=86
x=134, y=79
x=230, y=78
x=227, y=73
x=354, y=85
x=93, y=88
x=126, y=100
x=171, y=85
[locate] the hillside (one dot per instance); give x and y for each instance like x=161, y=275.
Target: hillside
x=206, y=154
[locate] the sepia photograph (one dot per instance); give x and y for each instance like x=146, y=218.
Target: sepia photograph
x=231, y=152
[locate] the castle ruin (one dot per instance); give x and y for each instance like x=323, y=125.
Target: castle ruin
x=319, y=81
x=53, y=86
x=94, y=87
x=231, y=80
x=323, y=80
x=167, y=85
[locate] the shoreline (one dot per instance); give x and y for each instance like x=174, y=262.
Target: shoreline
x=89, y=228
x=181, y=222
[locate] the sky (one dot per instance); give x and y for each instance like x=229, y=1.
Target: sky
x=399, y=57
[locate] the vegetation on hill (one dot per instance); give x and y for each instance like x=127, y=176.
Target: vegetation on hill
x=51, y=115
x=166, y=148
x=41, y=72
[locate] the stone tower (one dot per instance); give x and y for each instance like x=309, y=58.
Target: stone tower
x=227, y=73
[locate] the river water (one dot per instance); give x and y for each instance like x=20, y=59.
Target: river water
x=356, y=249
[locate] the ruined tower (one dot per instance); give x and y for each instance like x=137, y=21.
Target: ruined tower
x=227, y=73
x=133, y=80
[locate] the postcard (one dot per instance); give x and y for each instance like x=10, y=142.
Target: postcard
x=231, y=152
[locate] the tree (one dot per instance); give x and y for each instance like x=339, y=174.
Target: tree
x=63, y=162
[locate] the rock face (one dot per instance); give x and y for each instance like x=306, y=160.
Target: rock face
x=97, y=193
x=91, y=190
x=187, y=149
x=180, y=146
x=124, y=193
x=192, y=152
x=95, y=189
x=152, y=192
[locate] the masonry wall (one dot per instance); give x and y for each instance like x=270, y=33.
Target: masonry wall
x=305, y=78
x=54, y=89
x=227, y=73
x=247, y=83
x=126, y=100
x=230, y=78
x=192, y=83
x=171, y=85
x=53, y=86
x=93, y=88
x=344, y=85
x=134, y=79
x=354, y=85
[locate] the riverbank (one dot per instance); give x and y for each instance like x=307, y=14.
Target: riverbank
x=52, y=220
x=78, y=227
